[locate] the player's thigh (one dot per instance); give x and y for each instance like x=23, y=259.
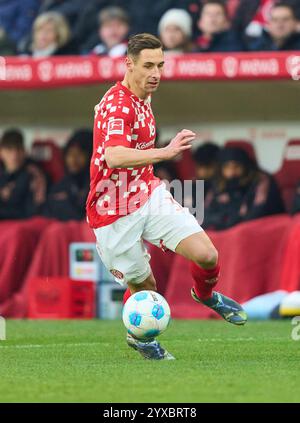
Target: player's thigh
x=168, y=223
x=122, y=250
x=198, y=248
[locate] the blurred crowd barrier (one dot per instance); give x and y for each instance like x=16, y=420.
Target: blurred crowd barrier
x=256, y=257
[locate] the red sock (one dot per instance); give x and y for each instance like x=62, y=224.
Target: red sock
x=127, y=294
x=205, y=280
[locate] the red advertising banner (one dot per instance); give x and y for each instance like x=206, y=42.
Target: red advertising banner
x=62, y=71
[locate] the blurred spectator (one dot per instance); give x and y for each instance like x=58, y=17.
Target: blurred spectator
x=66, y=200
x=145, y=15
x=23, y=185
x=70, y=9
x=7, y=47
x=296, y=202
x=51, y=36
x=241, y=192
x=112, y=33
x=252, y=16
x=206, y=163
x=206, y=166
x=175, y=31
x=165, y=171
x=85, y=30
x=295, y=4
x=280, y=33
x=216, y=33
x=193, y=7
x=16, y=18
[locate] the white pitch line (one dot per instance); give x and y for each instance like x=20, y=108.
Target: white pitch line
x=225, y=339
x=239, y=339
x=87, y=344
x=28, y=346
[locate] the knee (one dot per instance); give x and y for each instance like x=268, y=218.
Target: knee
x=208, y=259
x=149, y=285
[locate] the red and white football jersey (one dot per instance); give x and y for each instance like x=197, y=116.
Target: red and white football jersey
x=121, y=118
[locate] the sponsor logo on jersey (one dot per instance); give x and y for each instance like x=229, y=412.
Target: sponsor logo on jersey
x=143, y=145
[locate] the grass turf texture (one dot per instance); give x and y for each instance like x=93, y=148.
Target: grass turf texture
x=89, y=361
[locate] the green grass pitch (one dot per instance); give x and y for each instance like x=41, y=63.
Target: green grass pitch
x=89, y=361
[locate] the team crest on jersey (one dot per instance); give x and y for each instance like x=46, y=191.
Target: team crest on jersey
x=115, y=127
x=117, y=274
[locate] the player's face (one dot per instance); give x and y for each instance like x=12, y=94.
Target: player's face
x=147, y=69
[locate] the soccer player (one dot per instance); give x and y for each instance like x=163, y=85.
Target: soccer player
x=128, y=204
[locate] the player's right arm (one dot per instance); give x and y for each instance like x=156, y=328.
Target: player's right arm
x=123, y=157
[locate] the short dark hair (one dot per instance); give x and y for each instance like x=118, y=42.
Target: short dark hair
x=12, y=138
x=113, y=12
x=206, y=154
x=220, y=3
x=139, y=42
x=81, y=138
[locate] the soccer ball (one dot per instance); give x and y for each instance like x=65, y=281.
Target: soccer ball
x=146, y=314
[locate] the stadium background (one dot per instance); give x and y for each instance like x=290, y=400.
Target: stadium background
x=232, y=96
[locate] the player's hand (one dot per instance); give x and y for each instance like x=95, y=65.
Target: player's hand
x=181, y=142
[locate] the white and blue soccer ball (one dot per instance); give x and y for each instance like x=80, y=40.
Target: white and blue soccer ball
x=146, y=314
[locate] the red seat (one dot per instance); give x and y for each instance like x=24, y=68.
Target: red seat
x=289, y=174
x=49, y=156
x=244, y=145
